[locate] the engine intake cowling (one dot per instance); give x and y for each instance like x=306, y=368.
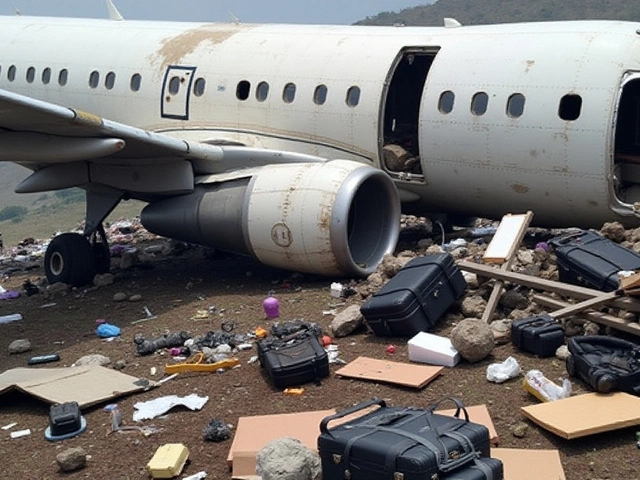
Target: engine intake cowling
x=335, y=218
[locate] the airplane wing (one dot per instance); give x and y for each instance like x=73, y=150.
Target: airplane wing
x=38, y=134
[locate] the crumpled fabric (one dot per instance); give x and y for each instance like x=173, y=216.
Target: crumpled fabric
x=106, y=330
x=159, y=406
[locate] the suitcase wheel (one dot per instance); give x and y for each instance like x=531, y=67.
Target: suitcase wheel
x=571, y=366
x=606, y=383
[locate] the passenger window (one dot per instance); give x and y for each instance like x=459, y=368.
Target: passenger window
x=63, y=76
x=136, y=81
x=243, y=89
x=94, y=79
x=515, y=105
x=174, y=85
x=31, y=74
x=479, y=103
x=570, y=107
x=262, y=91
x=110, y=80
x=320, y=95
x=11, y=73
x=199, y=86
x=289, y=92
x=446, y=102
x=46, y=76
x=353, y=96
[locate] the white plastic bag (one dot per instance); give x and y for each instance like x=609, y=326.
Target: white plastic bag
x=501, y=372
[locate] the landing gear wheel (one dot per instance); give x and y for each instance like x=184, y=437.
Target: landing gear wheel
x=69, y=259
x=101, y=252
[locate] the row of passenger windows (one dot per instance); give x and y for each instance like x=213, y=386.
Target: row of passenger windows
x=569, y=108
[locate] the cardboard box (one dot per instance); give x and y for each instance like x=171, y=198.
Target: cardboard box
x=428, y=348
x=168, y=461
x=520, y=464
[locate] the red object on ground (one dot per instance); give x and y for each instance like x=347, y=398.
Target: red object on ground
x=391, y=349
x=326, y=340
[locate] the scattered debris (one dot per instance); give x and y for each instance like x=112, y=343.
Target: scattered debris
x=347, y=321
x=288, y=458
x=106, y=330
x=19, y=346
x=168, y=461
x=159, y=406
x=20, y=433
x=473, y=339
x=93, y=359
x=544, y=389
x=501, y=372
x=405, y=374
x=429, y=348
x=72, y=459
x=14, y=317
x=217, y=431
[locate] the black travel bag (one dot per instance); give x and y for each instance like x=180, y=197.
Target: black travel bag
x=416, y=297
x=405, y=443
x=64, y=418
x=293, y=360
x=590, y=260
x=607, y=364
x=541, y=335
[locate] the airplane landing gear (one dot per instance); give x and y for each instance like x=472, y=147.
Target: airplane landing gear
x=73, y=259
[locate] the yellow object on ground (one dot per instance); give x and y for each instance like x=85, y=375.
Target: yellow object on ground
x=195, y=364
x=294, y=391
x=168, y=461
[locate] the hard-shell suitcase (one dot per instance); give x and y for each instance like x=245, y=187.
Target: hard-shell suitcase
x=541, y=335
x=482, y=469
x=401, y=442
x=293, y=361
x=64, y=418
x=415, y=299
x=590, y=260
x=607, y=364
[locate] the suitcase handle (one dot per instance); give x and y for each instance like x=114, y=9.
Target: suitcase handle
x=356, y=408
x=459, y=407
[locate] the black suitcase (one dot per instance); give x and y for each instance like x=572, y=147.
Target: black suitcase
x=64, y=418
x=401, y=443
x=415, y=299
x=482, y=469
x=541, y=335
x=293, y=361
x=590, y=260
x=607, y=364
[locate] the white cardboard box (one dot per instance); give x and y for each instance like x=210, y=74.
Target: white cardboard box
x=428, y=348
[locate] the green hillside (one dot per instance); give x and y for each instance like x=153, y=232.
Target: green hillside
x=476, y=12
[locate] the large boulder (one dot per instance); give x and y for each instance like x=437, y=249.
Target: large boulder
x=288, y=459
x=473, y=339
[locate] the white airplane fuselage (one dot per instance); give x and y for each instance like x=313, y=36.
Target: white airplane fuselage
x=554, y=150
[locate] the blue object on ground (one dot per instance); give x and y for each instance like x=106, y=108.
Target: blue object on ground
x=106, y=330
x=54, y=438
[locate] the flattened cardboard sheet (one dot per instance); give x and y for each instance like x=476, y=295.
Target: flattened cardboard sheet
x=522, y=464
x=86, y=385
x=478, y=414
x=574, y=417
x=255, y=432
x=406, y=374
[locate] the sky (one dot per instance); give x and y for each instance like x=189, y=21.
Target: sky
x=342, y=12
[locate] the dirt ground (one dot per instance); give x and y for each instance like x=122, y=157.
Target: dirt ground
x=175, y=288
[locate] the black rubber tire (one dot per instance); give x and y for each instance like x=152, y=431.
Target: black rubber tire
x=570, y=363
x=69, y=259
x=101, y=252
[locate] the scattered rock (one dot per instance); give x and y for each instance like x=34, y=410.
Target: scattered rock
x=103, y=280
x=19, y=346
x=72, y=459
x=520, y=430
x=473, y=339
x=513, y=299
x=501, y=331
x=120, y=365
x=120, y=297
x=613, y=231
x=572, y=328
x=390, y=266
x=58, y=287
x=94, y=359
x=347, y=321
x=591, y=328
x=473, y=306
x=471, y=279
x=562, y=352
x=129, y=259
x=135, y=298
x=288, y=459
x=525, y=257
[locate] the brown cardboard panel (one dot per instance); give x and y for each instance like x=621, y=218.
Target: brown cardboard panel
x=255, y=432
x=244, y=466
x=478, y=414
x=583, y=415
x=522, y=464
x=86, y=385
x=406, y=374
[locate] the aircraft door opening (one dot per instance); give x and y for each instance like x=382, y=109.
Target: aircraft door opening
x=627, y=143
x=176, y=91
x=401, y=113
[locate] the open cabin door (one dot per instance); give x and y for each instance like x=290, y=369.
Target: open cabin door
x=400, y=113
x=627, y=142
x=176, y=91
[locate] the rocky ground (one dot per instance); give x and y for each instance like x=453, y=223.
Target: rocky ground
x=186, y=289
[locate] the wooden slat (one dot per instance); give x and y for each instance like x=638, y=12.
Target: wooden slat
x=596, y=317
x=572, y=309
x=574, y=291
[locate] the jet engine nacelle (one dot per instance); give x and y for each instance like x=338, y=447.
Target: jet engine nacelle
x=335, y=218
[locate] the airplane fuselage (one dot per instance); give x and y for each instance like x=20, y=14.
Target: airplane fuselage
x=493, y=119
